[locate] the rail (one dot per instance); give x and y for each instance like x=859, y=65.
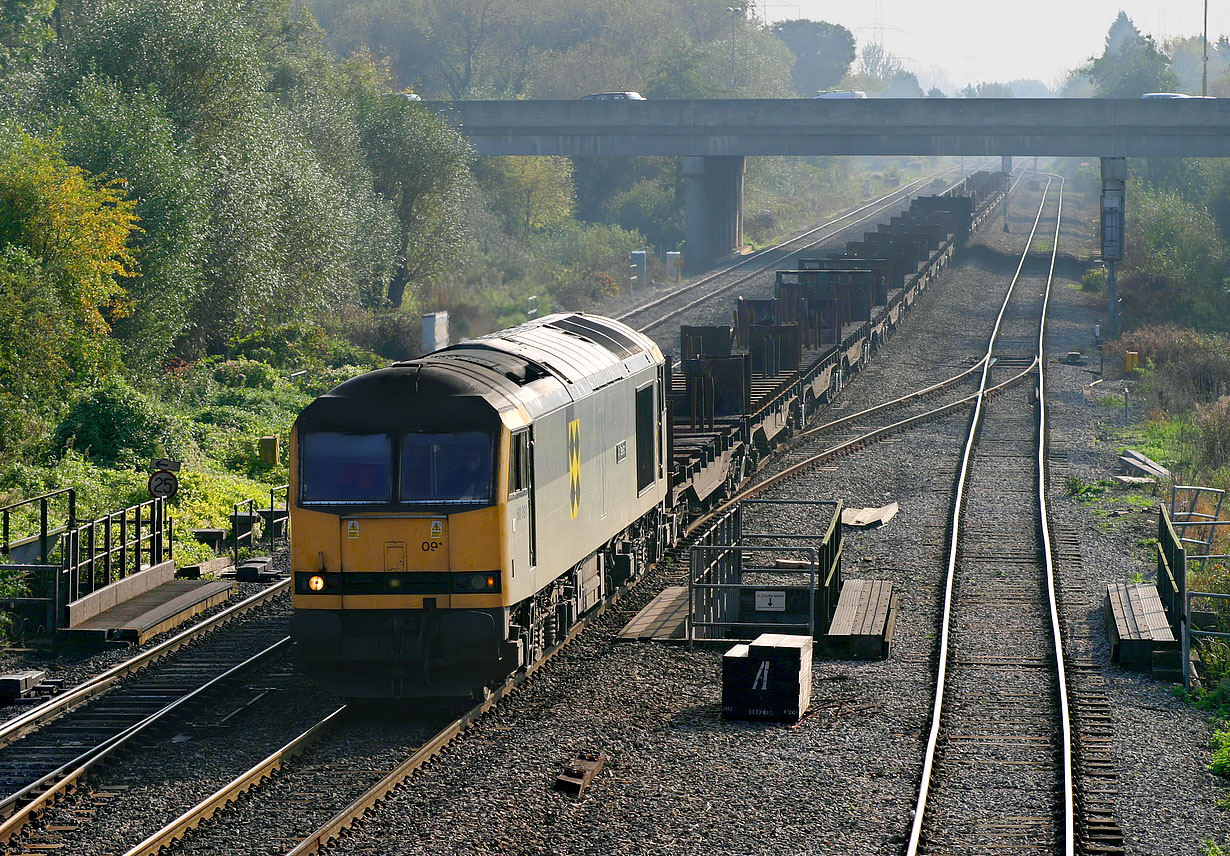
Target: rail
x=929, y=755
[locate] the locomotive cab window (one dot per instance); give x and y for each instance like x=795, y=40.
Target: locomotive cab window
x=453, y=467
x=339, y=468
x=519, y=464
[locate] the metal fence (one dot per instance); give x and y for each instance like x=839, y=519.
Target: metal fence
x=113, y=547
x=275, y=519
x=1171, y=570
x=724, y=607
x=23, y=549
x=1190, y=523
x=1180, y=529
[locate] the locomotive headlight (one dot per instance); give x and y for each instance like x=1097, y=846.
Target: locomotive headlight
x=478, y=582
x=316, y=582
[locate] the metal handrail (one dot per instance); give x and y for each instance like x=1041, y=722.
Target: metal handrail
x=45, y=534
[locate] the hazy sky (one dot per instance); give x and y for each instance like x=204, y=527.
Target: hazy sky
x=980, y=41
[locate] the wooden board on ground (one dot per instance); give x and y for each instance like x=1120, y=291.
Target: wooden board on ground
x=1136, y=623
x=1134, y=463
x=664, y=618
x=864, y=517
x=152, y=612
x=866, y=616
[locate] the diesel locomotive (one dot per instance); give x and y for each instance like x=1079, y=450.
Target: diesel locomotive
x=453, y=515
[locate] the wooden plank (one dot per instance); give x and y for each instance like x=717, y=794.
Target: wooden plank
x=663, y=618
x=847, y=608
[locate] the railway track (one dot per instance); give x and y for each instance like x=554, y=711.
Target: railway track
x=669, y=306
x=997, y=766
x=53, y=748
x=337, y=800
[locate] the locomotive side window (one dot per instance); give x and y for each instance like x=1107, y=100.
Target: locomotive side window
x=519, y=465
x=455, y=467
x=340, y=468
x=645, y=445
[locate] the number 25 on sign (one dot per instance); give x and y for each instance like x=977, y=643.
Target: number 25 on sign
x=163, y=483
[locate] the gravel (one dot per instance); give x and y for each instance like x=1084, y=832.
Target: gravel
x=683, y=779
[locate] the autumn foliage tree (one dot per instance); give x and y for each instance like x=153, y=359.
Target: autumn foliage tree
x=75, y=225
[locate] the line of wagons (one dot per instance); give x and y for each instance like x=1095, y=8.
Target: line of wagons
x=739, y=390
x=453, y=515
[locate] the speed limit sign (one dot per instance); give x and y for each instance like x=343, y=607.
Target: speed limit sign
x=163, y=483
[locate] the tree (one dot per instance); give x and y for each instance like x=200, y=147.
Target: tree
x=904, y=84
x=130, y=138
x=877, y=63
x=25, y=26
x=823, y=53
x=36, y=347
x=533, y=192
x=421, y=166
x=1176, y=261
x=1131, y=64
x=682, y=74
x=75, y=225
x=987, y=90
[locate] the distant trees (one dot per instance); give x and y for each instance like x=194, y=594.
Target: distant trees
x=272, y=182
x=823, y=53
x=880, y=73
x=532, y=193
x=561, y=48
x=25, y=26
x=1130, y=65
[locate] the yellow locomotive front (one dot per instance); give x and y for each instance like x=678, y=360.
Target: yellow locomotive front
x=400, y=482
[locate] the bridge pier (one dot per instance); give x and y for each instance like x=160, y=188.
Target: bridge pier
x=1114, y=224
x=712, y=208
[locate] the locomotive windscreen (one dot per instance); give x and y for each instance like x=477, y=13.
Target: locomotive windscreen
x=449, y=467
x=335, y=467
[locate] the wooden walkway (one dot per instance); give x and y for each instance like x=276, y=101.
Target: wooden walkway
x=152, y=612
x=664, y=618
x=866, y=616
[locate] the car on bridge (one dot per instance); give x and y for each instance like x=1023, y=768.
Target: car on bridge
x=614, y=96
x=844, y=93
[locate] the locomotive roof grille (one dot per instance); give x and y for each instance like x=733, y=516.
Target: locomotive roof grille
x=608, y=337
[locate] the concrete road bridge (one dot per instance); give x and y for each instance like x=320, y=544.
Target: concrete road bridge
x=714, y=136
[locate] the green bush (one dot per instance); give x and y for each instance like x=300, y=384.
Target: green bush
x=1213, y=422
x=114, y=424
x=245, y=374
x=1094, y=280
x=1221, y=753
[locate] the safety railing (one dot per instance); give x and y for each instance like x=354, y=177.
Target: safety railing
x=797, y=591
x=1188, y=630
x=1189, y=522
x=275, y=520
x=115, y=546
x=1171, y=569
x=23, y=549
